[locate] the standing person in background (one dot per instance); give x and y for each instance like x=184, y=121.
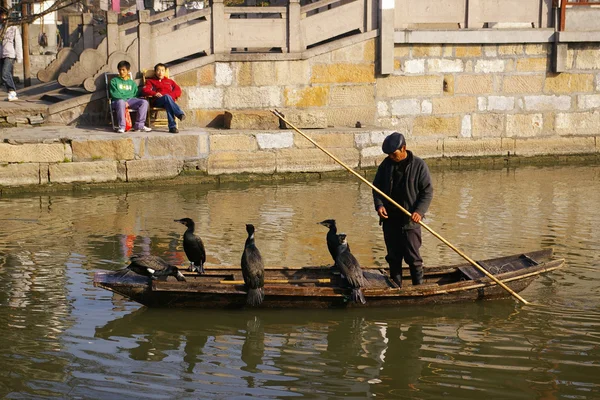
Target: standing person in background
x=123, y=93
x=164, y=93
x=11, y=49
x=405, y=178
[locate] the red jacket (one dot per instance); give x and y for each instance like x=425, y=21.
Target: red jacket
x=163, y=86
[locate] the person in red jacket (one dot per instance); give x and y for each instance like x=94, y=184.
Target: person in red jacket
x=164, y=92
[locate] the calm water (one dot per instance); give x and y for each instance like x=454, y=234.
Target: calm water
x=63, y=338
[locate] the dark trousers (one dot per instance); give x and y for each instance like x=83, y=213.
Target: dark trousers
x=403, y=244
x=170, y=107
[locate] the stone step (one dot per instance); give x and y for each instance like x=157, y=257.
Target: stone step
x=265, y=120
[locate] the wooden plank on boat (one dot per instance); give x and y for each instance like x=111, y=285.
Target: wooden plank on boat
x=280, y=281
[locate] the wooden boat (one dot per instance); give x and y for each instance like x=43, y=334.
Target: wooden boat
x=323, y=287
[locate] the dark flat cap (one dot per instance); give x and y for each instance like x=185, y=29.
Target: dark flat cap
x=393, y=142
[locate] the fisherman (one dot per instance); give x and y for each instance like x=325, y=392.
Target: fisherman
x=405, y=178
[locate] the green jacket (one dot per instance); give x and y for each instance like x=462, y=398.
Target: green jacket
x=123, y=89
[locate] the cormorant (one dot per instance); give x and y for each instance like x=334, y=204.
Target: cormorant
x=153, y=267
x=332, y=239
x=193, y=246
x=350, y=268
x=253, y=269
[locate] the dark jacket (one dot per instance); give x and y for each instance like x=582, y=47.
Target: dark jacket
x=415, y=185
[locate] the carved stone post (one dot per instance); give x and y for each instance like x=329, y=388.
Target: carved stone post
x=295, y=39
x=180, y=8
x=112, y=32
x=219, y=27
x=88, y=31
x=145, y=59
x=386, y=36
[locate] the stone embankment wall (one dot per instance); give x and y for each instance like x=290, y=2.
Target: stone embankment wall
x=220, y=153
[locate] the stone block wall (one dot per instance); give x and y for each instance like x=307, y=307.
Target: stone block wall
x=436, y=91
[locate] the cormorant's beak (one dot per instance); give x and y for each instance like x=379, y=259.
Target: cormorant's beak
x=179, y=220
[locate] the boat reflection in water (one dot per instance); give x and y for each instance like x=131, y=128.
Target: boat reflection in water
x=323, y=353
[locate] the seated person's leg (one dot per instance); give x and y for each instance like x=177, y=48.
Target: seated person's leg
x=118, y=107
x=141, y=106
x=170, y=107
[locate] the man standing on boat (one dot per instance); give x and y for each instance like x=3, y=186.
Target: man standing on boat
x=405, y=178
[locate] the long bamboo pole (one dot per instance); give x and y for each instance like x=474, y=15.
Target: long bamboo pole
x=447, y=243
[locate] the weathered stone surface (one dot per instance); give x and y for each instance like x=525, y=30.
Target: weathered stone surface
x=433, y=125
x=582, y=123
x=466, y=126
x=383, y=109
x=250, y=120
x=207, y=118
x=547, y=103
x=587, y=101
x=425, y=147
x=443, y=65
x=472, y=147
x=314, y=160
x=473, y=50
x=490, y=50
x=414, y=66
x=19, y=174
x=588, y=58
x=401, y=50
x=252, y=97
x=554, y=145
x=569, y=83
x=536, y=49
x=34, y=152
x=94, y=171
x=175, y=147
x=223, y=74
x=510, y=49
x=140, y=170
x=401, y=124
x=449, y=85
x=327, y=140
x=398, y=86
x=372, y=138
x=292, y=72
x=262, y=162
x=535, y=64
x=313, y=119
x=348, y=116
x=280, y=140
x=426, y=50
x=93, y=150
x=486, y=125
x=523, y=84
x=452, y=105
x=488, y=66
x=496, y=103
x=352, y=95
x=474, y=84
x=309, y=96
x=189, y=78
x=232, y=143
x=406, y=107
x=206, y=75
x=426, y=107
x=524, y=125
x=205, y=97
x=244, y=73
x=264, y=73
x=352, y=53
x=371, y=156
x=343, y=73
x=369, y=51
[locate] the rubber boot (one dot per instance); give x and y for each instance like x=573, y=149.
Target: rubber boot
x=396, y=275
x=416, y=273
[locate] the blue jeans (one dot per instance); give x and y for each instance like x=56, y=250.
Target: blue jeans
x=7, y=73
x=140, y=105
x=170, y=107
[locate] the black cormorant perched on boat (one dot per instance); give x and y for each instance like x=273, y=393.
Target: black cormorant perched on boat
x=253, y=269
x=350, y=268
x=193, y=246
x=153, y=267
x=332, y=239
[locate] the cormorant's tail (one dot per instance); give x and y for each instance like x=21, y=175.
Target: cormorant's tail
x=179, y=276
x=255, y=296
x=358, y=296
